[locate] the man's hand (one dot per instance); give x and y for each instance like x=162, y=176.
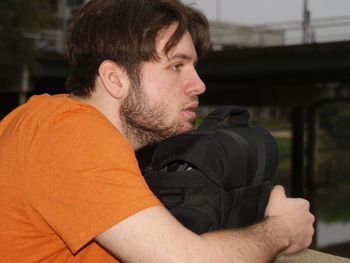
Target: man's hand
x=293, y=219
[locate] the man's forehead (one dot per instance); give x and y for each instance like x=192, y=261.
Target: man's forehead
x=165, y=34
x=184, y=49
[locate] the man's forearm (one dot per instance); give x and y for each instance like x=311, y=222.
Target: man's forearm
x=261, y=243
x=154, y=235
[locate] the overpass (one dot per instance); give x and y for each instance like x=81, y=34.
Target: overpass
x=292, y=75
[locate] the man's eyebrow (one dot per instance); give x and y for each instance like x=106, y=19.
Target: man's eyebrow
x=183, y=56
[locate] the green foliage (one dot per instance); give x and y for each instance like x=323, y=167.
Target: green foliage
x=284, y=146
x=334, y=203
x=334, y=187
x=335, y=119
x=198, y=121
x=324, y=143
x=273, y=124
x=17, y=18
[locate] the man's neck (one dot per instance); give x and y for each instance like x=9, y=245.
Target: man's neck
x=109, y=108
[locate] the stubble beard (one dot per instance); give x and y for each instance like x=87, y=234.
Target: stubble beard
x=145, y=121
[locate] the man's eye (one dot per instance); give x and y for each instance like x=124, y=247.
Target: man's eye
x=175, y=67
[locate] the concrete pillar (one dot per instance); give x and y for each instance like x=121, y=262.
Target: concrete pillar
x=297, y=175
x=24, y=88
x=311, y=167
x=311, y=164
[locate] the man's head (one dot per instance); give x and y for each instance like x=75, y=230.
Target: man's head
x=161, y=103
x=125, y=32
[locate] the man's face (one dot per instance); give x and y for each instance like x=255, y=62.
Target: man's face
x=162, y=103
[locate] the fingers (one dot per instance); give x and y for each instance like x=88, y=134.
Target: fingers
x=302, y=237
x=295, y=219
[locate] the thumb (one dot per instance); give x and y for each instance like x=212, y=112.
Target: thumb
x=278, y=191
x=276, y=196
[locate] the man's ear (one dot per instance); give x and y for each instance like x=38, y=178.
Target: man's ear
x=113, y=78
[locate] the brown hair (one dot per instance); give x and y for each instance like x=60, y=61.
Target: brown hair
x=125, y=32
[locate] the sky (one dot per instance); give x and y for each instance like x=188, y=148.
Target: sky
x=269, y=11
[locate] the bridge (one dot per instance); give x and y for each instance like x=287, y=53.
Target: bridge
x=292, y=75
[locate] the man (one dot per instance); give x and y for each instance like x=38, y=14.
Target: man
x=71, y=187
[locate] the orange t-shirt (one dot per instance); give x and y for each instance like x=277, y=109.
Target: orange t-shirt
x=67, y=175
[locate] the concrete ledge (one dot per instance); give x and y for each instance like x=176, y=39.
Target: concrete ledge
x=311, y=256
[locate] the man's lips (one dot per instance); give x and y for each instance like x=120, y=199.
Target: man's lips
x=190, y=111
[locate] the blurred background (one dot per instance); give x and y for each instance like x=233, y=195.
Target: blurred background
x=287, y=61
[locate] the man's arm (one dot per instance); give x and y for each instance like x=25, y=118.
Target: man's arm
x=154, y=235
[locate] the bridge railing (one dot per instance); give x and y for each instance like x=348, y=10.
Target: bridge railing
x=48, y=40
x=318, y=30
x=236, y=35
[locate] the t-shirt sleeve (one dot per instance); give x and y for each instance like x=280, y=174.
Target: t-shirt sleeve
x=83, y=178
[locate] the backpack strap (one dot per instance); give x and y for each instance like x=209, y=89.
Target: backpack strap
x=262, y=156
x=253, y=194
x=244, y=150
x=237, y=116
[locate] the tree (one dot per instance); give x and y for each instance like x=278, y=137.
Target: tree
x=335, y=119
x=18, y=19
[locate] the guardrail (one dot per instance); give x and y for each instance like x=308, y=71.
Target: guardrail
x=235, y=35
x=48, y=40
x=282, y=33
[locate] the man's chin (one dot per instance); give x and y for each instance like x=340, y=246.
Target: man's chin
x=188, y=126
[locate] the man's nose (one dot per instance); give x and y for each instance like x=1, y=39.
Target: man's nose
x=195, y=85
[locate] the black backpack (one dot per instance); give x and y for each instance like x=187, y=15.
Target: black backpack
x=218, y=176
